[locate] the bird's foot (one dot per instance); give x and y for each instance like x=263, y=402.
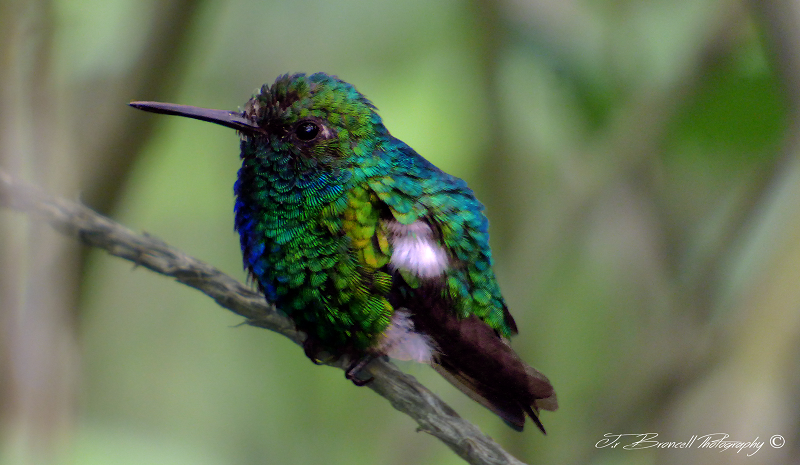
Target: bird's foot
x=355, y=369
x=312, y=351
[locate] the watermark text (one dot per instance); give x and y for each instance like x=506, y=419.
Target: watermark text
x=714, y=441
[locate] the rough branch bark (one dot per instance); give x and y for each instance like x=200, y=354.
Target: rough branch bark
x=401, y=390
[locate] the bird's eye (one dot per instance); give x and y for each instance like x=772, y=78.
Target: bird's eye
x=306, y=131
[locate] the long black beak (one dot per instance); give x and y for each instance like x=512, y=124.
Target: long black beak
x=229, y=119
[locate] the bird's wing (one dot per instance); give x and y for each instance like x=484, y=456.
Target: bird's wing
x=436, y=238
x=439, y=233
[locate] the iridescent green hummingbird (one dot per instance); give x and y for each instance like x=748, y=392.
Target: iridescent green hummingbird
x=369, y=248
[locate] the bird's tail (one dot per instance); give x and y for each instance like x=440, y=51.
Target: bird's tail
x=510, y=399
x=482, y=364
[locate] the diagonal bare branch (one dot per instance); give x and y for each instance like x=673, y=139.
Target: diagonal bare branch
x=401, y=390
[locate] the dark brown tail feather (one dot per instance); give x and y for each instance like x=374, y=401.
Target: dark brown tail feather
x=475, y=359
x=481, y=364
x=511, y=410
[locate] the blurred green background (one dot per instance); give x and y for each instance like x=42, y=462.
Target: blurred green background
x=638, y=160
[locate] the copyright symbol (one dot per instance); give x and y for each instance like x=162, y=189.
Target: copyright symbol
x=777, y=441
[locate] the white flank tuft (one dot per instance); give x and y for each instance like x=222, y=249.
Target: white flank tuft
x=414, y=249
x=402, y=343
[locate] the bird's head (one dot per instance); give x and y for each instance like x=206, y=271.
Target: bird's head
x=319, y=119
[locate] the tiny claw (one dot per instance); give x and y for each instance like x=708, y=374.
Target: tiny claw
x=356, y=367
x=361, y=382
x=312, y=350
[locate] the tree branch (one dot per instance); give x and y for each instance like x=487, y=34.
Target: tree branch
x=401, y=390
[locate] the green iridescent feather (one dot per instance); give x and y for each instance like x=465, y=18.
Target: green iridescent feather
x=310, y=216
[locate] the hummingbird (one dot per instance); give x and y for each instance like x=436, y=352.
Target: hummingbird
x=369, y=248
